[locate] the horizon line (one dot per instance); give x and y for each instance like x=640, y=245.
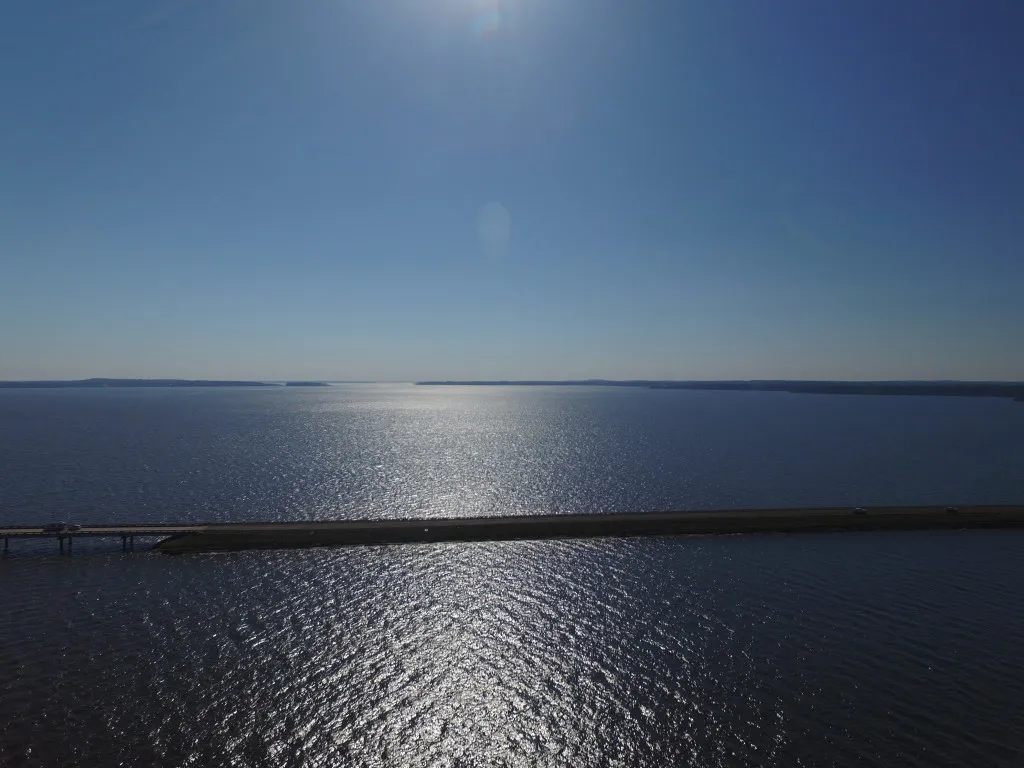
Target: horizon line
x=589, y=380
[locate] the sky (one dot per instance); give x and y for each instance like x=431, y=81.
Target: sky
x=495, y=189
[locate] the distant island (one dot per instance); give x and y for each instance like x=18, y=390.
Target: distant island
x=1009, y=389
x=96, y=383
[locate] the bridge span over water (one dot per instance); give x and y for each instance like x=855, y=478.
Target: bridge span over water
x=181, y=538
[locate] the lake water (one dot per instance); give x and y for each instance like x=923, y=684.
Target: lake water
x=829, y=649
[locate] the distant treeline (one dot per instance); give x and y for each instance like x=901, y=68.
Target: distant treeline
x=920, y=388
x=153, y=383
x=130, y=383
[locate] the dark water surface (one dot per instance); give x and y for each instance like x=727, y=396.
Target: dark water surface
x=841, y=649
x=400, y=451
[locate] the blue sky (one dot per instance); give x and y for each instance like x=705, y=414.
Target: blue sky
x=407, y=189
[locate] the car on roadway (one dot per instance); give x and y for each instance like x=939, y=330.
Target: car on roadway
x=72, y=527
x=54, y=527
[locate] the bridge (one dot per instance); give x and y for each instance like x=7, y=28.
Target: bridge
x=183, y=538
x=67, y=535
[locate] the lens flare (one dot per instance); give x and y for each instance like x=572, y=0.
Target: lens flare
x=486, y=19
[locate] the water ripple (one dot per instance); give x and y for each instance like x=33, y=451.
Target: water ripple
x=804, y=650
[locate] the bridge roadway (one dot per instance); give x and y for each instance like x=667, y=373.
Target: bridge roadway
x=142, y=529
x=197, y=537
x=127, y=533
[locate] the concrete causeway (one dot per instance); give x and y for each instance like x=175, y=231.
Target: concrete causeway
x=220, y=537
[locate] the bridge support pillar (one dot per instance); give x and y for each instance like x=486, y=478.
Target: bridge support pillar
x=70, y=539
x=131, y=542
x=7, y=544
x=60, y=543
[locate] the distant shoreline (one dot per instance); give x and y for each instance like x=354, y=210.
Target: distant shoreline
x=102, y=383
x=1005, y=389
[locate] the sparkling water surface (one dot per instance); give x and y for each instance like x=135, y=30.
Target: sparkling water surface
x=825, y=649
